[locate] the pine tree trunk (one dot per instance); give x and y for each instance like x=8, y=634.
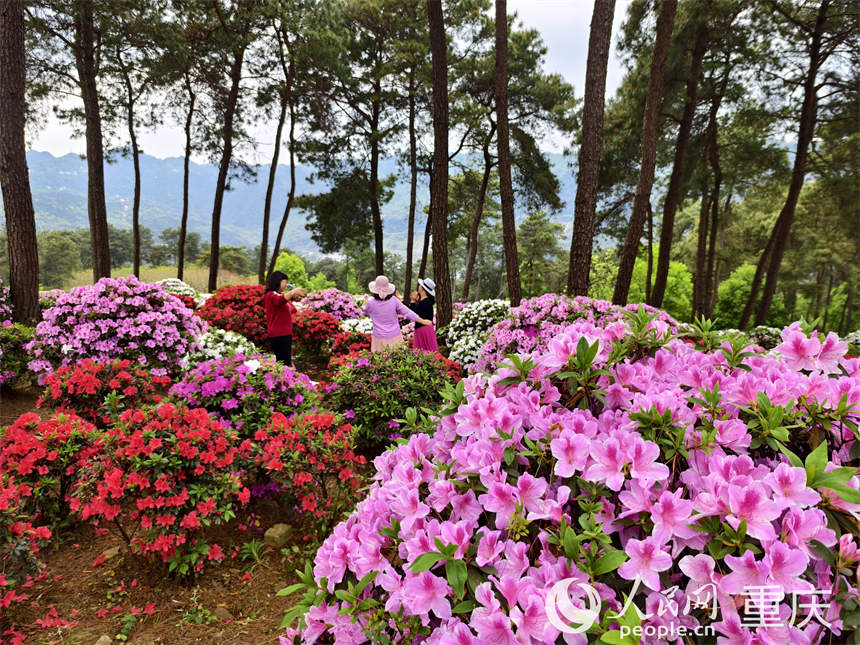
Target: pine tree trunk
x=270, y=187
x=224, y=167
x=135, y=154
x=292, y=194
x=85, y=59
x=712, y=236
x=428, y=231
x=506, y=189
x=806, y=130
x=649, y=151
x=374, y=183
x=650, y=253
x=718, y=260
x=476, y=222
x=588, y=174
x=14, y=175
x=183, y=224
x=679, y=167
x=439, y=185
x=701, y=250
x=413, y=184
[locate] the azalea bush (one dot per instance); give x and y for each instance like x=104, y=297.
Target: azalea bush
x=177, y=287
x=238, y=308
x=48, y=298
x=640, y=468
x=313, y=333
x=536, y=321
x=5, y=304
x=360, y=325
x=377, y=388
x=218, y=343
x=166, y=473
x=101, y=391
x=338, y=303
x=243, y=392
x=14, y=371
x=311, y=457
x=46, y=457
x=120, y=318
x=349, y=343
x=853, y=342
x=476, y=318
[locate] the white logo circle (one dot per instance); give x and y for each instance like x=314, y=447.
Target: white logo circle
x=558, y=601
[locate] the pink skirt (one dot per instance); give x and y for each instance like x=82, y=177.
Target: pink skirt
x=425, y=339
x=379, y=344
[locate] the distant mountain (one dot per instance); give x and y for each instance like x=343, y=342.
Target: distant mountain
x=59, y=186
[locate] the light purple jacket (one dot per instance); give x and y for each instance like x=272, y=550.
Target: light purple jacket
x=383, y=313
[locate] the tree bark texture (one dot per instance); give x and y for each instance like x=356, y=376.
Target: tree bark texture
x=588, y=174
x=14, y=175
x=292, y=194
x=439, y=185
x=183, y=224
x=270, y=187
x=413, y=184
x=506, y=189
x=649, y=151
x=679, y=167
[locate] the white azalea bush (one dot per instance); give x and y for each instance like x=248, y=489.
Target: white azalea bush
x=177, y=287
x=218, y=343
x=670, y=480
x=467, y=349
x=476, y=318
x=357, y=325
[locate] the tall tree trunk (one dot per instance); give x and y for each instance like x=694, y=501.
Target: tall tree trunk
x=413, y=183
x=183, y=225
x=650, y=253
x=85, y=59
x=374, y=185
x=806, y=130
x=701, y=250
x=712, y=236
x=479, y=212
x=649, y=151
x=292, y=194
x=439, y=185
x=506, y=189
x=135, y=155
x=679, y=167
x=428, y=231
x=224, y=166
x=718, y=261
x=587, y=177
x=827, y=300
x=270, y=187
x=14, y=176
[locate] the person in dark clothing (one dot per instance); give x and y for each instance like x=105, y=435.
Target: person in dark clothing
x=422, y=302
x=279, y=315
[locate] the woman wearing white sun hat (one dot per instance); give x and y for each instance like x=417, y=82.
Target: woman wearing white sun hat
x=422, y=304
x=383, y=309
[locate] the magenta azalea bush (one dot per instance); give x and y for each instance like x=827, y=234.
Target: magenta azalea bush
x=333, y=301
x=120, y=318
x=5, y=305
x=684, y=487
x=532, y=324
x=244, y=392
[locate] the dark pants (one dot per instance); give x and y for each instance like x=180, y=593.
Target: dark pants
x=282, y=347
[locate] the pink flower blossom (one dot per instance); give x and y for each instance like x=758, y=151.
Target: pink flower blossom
x=646, y=559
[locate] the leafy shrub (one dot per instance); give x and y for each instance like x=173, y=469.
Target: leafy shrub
x=332, y=301
x=313, y=333
x=536, y=321
x=100, y=391
x=46, y=457
x=620, y=458
x=361, y=325
x=167, y=472
x=853, y=341
x=48, y=299
x=311, y=457
x=177, y=287
x=13, y=355
x=115, y=319
x=218, y=343
x=239, y=309
x=378, y=388
x=467, y=349
x=245, y=391
x=732, y=297
x=5, y=304
x=349, y=343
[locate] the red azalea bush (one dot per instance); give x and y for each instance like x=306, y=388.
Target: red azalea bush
x=313, y=333
x=238, y=308
x=47, y=457
x=167, y=472
x=98, y=391
x=349, y=343
x=312, y=459
x=188, y=301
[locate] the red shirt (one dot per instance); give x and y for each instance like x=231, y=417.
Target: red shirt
x=279, y=314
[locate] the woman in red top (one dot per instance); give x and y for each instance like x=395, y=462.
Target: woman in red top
x=279, y=315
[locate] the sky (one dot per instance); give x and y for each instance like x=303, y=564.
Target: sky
x=563, y=24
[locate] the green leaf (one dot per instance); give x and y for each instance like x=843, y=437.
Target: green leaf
x=366, y=580
x=425, y=561
x=609, y=562
x=289, y=591
x=463, y=607
x=455, y=571
x=846, y=493
x=291, y=615
x=793, y=459
x=816, y=462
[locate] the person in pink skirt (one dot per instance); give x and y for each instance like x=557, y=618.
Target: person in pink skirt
x=422, y=304
x=383, y=309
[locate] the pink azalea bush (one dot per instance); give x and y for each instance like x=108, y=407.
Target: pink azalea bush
x=532, y=324
x=115, y=318
x=332, y=301
x=618, y=457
